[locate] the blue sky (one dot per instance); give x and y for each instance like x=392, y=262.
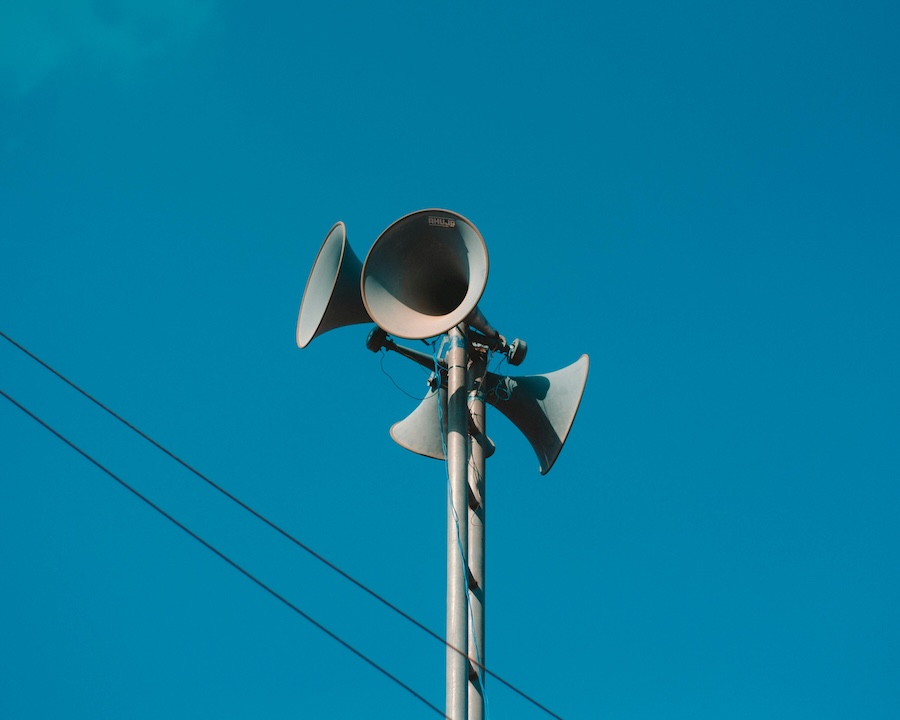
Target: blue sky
x=702, y=198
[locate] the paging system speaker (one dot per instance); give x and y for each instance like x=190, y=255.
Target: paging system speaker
x=332, y=298
x=543, y=407
x=419, y=432
x=425, y=274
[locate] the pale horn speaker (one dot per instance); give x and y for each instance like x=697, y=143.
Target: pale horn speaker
x=332, y=296
x=425, y=274
x=424, y=431
x=543, y=407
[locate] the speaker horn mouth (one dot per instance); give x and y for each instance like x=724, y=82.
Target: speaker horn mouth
x=331, y=297
x=424, y=274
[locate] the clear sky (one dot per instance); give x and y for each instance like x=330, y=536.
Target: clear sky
x=703, y=197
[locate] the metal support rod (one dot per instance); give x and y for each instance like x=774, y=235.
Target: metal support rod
x=476, y=518
x=457, y=523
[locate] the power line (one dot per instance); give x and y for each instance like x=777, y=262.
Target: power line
x=387, y=603
x=224, y=557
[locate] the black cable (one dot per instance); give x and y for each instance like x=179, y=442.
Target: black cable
x=222, y=555
x=278, y=529
x=389, y=377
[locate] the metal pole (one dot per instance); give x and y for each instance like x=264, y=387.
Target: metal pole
x=476, y=517
x=457, y=523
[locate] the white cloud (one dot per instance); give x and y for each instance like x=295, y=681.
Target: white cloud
x=37, y=37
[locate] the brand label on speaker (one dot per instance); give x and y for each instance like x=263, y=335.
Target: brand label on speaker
x=441, y=222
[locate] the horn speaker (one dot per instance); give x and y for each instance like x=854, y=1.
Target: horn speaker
x=332, y=296
x=419, y=432
x=425, y=274
x=542, y=407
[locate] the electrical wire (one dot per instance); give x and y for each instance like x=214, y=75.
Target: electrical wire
x=223, y=556
x=389, y=377
x=406, y=616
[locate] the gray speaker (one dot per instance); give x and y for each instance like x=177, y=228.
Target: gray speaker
x=332, y=296
x=424, y=431
x=425, y=274
x=543, y=407
x=419, y=433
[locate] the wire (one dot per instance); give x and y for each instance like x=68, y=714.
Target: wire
x=500, y=390
x=387, y=603
x=389, y=377
x=223, y=556
x=227, y=494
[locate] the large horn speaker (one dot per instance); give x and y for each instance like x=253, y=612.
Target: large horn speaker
x=425, y=274
x=542, y=407
x=424, y=431
x=332, y=296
